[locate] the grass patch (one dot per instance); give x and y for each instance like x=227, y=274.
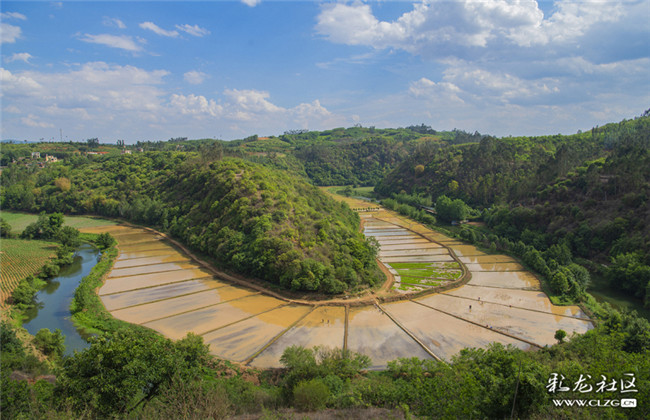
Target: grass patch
x=421, y=282
x=19, y=221
x=439, y=274
x=418, y=266
x=407, y=287
x=368, y=192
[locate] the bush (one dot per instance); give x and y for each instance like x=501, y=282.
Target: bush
x=189, y=400
x=50, y=343
x=105, y=240
x=310, y=395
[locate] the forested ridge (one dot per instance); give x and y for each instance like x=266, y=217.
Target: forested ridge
x=550, y=200
x=247, y=217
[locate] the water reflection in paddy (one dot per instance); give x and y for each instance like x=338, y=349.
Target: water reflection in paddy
x=504, y=266
x=136, y=297
x=324, y=326
x=373, y=333
x=152, y=268
x=149, y=260
x=121, y=284
x=444, y=334
x=136, y=255
x=526, y=299
x=156, y=285
x=219, y=315
x=148, y=312
x=505, y=279
x=241, y=340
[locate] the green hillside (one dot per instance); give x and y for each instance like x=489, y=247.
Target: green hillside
x=250, y=218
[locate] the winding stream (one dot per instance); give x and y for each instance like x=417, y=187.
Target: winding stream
x=53, y=302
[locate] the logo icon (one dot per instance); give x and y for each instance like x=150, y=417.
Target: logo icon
x=628, y=402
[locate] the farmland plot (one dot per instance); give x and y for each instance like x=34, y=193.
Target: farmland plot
x=159, y=286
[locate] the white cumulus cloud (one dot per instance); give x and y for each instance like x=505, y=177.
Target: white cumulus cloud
x=194, y=77
x=150, y=26
x=113, y=23
x=13, y=15
x=193, y=30
x=33, y=121
x=98, y=99
x=123, y=42
x=9, y=33
x=432, y=28
x=251, y=3
x=20, y=57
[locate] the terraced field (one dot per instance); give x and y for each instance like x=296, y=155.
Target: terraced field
x=161, y=287
x=18, y=259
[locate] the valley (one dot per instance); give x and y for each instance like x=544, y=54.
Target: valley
x=493, y=299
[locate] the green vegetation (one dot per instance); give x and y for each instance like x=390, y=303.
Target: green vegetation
x=561, y=204
x=19, y=221
x=118, y=378
x=20, y=259
x=552, y=201
x=50, y=343
x=249, y=218
x=419, y=272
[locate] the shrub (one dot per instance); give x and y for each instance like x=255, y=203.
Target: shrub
x=310, y=395
x=50, y=343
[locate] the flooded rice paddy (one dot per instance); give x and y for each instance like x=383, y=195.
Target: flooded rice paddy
x=159, y=286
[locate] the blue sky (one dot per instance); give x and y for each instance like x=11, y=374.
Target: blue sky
x=230, y=69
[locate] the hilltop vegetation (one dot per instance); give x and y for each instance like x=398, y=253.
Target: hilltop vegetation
x=248, y=217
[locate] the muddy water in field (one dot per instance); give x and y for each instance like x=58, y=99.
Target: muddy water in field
x=152, y=268
x=122, y=300
x=506, y=266
x=524, y=299
x=533, y=326
x=486, y=259
x=156, y=285
x=444, y=334
x=413, y=252
x=420, y=258
x=324, y=326
x=122, y=284
x=219, y=315
x=505, y=279
x=148, y=312
x=242, y=340
x=136, y=262
x=373, y=333
x=415, y=244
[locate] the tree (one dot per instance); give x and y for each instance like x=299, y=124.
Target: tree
x=105, y=240
x=5, y=229
x=69, y=237
x=560, y=335
x=120, y=371
x=46, y=227
x=448, y=209
x=50, y=343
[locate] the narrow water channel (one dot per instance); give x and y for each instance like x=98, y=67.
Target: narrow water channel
x=52, y=310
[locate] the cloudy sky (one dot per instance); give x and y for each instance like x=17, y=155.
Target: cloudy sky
x=230, y=69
